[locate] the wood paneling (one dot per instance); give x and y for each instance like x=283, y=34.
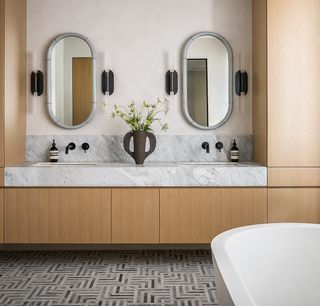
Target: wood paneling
x=135, y=215
x=259, y=80
x=197, y=215
x=58, y=215
x=294, y=177
x=15, y=80
x=294, y=205
x=2, y=78
x=293, y=86
x=1, y=216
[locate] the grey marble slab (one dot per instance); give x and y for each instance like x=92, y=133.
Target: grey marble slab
x=170, y=148
x=128, y=174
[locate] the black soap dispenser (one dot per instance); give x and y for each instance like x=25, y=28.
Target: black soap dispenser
x=234, y=152
x=53, y=153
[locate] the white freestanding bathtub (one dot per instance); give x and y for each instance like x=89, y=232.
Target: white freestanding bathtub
x=268, y=265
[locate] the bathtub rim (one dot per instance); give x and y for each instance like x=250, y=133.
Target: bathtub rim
x=237, y=289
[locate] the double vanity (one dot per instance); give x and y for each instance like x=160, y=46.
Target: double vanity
x=121, y=203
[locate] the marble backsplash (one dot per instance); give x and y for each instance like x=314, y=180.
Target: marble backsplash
x=107, y=148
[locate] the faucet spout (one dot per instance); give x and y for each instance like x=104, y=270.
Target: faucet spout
x=206, y=146
x=70, y=146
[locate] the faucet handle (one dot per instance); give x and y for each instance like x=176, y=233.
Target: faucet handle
x=85, y=147
x=219, y=146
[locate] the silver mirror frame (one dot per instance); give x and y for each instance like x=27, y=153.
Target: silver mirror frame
x=49, y=81
x=185, y=81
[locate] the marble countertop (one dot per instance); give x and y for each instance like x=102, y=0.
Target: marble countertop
x=162, y=174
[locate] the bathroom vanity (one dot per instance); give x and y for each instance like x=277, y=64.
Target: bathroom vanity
x=119, y=203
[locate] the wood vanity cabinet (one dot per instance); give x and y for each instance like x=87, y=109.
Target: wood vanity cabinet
x=58, y=215
x=135, y=215
x=196, y=215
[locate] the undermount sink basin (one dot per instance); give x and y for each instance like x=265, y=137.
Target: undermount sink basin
x=208, y=163
x=49, y=164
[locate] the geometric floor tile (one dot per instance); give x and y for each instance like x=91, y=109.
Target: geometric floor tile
x=110, y=278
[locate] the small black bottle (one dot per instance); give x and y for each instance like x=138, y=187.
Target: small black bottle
x=54, y=153
x=234, y=152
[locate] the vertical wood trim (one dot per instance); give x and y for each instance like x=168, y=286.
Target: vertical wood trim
x=15, y=80
x=2, y=78
x=259, y=80
x=1, y=216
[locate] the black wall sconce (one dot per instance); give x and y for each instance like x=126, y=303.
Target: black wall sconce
x=241, y=80
x=172, y=82
x=37, y=83
x=107, y=82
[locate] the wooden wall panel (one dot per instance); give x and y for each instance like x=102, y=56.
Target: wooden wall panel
x=259, y=80
x=135, y=215
x=15, y=84
x=294, y=177
x=2, y=79
x=293, y=83
x=1, y=216
x=294, y=205
x=197, y=215
x=59, y=215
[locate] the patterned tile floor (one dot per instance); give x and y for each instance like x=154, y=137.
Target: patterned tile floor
x=182, y=278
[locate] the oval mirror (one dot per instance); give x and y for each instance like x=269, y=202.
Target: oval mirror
x=207, y=80
x=71, y=75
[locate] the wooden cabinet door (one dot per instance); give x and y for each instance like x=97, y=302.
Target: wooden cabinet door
x=1, y=216
x=135, y=215
x=58, y=215
x=195, y=215
x=294, y=205
x=293, y=83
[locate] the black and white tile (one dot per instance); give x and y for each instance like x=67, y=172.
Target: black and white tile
x=182, y=278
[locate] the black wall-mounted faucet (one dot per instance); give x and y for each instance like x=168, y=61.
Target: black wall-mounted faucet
x=206, y=146
x=70, y=146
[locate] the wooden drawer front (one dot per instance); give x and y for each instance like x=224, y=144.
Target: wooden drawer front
x=58, y=216
x=198, y=215
x=1, y=177
x=294, y=205
x=294, y=177
x=1, y=216
x=135, y=215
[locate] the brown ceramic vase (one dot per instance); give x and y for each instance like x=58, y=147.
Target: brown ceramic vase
x=139, y=153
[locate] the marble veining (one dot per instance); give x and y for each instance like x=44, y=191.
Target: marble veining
x=128, y=174
x=106, y=148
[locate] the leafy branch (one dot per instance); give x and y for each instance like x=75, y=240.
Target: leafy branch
x=141, y=119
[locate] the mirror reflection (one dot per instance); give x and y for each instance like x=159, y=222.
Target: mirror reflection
x=208, y=73
x=71, y=80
